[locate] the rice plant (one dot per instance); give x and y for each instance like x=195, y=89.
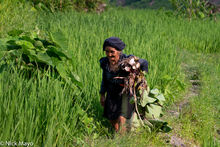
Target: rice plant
x=48, y=112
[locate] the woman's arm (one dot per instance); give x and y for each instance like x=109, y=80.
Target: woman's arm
x=102, y=91
x=102, y=99
x=103, y=88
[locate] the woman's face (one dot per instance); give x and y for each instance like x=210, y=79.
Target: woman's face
x=112, y=54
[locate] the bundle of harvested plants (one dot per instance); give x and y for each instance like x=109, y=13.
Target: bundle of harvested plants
x=148, y=103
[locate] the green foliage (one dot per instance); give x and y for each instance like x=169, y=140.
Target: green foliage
x=30, y=52
x=49, y=115
x=41, y=110
x=149, y=4
x=161, y=125
x=54, y=5
x=193, y=8
x=199, y=118
x=128, y=2
x=150, y=105
x=9, y=9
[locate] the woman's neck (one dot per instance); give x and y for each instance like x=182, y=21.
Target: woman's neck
x=114, y=64
x=114, y=67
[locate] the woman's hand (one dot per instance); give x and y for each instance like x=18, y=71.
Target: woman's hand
x=102, y=100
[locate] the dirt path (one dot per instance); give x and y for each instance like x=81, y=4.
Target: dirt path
x=178, y=108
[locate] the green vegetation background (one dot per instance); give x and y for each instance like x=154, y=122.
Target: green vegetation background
x=47, y=112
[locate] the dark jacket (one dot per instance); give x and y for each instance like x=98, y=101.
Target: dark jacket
x=113, y=88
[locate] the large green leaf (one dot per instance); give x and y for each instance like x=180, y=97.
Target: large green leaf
x=31, y=35
x=58, y=52
x=155, y=91
x=31, y=48
x=75, y=79
x=55, y=61
x=166, y=128
x=66, y=53
x=31, y=54
x=15, y=32
x=62, y=71
x=157, y=122
x=27, y=38
x=38, y=44
x=160, y=97
x=135, y=121
x=25, y=44
x=43, y=57
x=160, y=124
x=15, y=52
x=153, y=111
x=61, y=41
x=146, y=99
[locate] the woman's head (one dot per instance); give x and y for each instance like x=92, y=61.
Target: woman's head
x=113, y=47
x=112, y=54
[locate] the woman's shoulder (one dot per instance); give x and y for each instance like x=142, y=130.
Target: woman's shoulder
x=144, y=64
x=125, y=56
x=103, y=62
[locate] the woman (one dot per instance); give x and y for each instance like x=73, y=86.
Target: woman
x=111, y=87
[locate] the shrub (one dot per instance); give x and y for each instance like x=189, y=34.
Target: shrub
x=29, y=52
x=194, y=8
x=53, y=5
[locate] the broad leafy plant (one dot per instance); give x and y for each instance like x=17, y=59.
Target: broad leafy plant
x=150, y=104
x=194, y=8
x=29, y=52
x=54, y=5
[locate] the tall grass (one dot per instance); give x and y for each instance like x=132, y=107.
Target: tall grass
x=45, y=111
x=14, y=14
x=38, y=110
x=199, y=119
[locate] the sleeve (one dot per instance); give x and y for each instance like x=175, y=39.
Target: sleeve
x=103, y=62
x=103, y=88
x=144, y=65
